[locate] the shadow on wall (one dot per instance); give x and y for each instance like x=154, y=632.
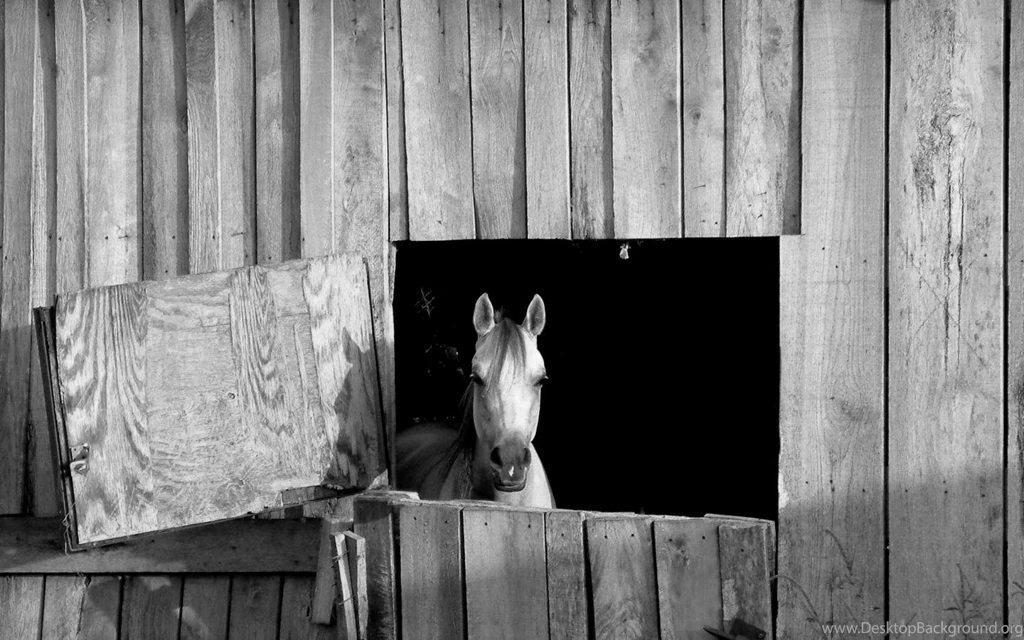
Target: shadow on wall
x=663, y=365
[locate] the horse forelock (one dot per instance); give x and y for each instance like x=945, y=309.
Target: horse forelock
x=507, y=343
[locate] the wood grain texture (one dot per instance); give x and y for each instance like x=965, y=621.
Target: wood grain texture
x=499, y=127
x=151, y=607
x=703, y=128
x=71, y=249
x=646, y=138
x=590, y=119
x=438, y=137
x=746, y=588
x=1015, y=322
x=21, y=606
x=101, y=336
x=506, y=576
x=255, y=607
x=356, y=547
x=374, y=523
x=946, y=312
x=545, y=70
x=762, y=111
x=567, y=579
x=394, y=81
x=431, y=562
x=276, y=41
x=345, y=603
x=316, y=160
x=832, y=332
x=689, y=578
x=164, y=153
x=205, y=602
x=36, y=546
x=296, y=619
x=203, y=157
x=325, y=593
x=81, y=607
x=625, y=595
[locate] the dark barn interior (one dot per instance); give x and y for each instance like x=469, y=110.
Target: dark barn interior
x=663, y=366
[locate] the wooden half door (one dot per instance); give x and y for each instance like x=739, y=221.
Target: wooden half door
x=213, y=396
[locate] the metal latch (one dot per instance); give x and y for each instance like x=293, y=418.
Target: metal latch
x=79, y=459
x=740, y=630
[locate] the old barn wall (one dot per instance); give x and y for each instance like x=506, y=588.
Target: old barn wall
x=143, y=140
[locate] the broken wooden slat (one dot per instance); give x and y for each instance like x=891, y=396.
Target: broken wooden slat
x=356, y=547
x=567, y=579
x=325, y=594
x=255, y=607
x=506, y=575
x=623, y=587
x=431, y=570
x=590, y=119
x=703, y=129
x=647, y=145
x=296, y=622
x=373, y=522
x=689, y=578
x=945, y=314
x=345, y=602
x=151, y=607
x=21, y=604
x=205, y=604
x=762, y=146
x=438, y=138
x=746, y=588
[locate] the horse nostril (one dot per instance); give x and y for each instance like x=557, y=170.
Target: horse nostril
x=495, y=457
x=526, y=457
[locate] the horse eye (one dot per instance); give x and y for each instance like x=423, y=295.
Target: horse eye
x=540, y=383
x=477, y=380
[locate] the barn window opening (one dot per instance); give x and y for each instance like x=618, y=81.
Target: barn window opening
x=662, y=358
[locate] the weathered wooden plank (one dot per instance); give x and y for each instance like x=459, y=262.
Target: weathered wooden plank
x=398, y=188
x=164, y=141
x=1015, y=322
x=203, y=157
x=623, y=587
x=646, y=138
x=82, y=607
x=101, y=336
x=430, y=544
x=946, y=355
x=506, y=577
x=255, y=607
x=567, y=579
x=546, y=67
x=36, y=545
x=832, y=326
x=345, y=603
x=438, y=138
x=746, y=587
x=112, y=122
x=71, y=246
x=325, y=590
x=296, y=619
x=590, y=118
x=374, y=523
x=762, y=145
x=316, y=44
x=21, y=606
x=356, y=547
x=498, y=118
x=703, y=71
x=346, y=368
x=151, y=607
x=689, y=578
x=205, y=602
x=276, y=62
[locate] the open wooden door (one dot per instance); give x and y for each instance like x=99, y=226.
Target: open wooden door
x=212, y=396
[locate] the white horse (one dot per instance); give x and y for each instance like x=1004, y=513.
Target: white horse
x=491, y=455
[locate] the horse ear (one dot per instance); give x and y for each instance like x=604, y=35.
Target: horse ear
x=483, y=315
x=536, y=316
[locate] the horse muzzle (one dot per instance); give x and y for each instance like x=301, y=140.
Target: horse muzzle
x=512, y=487
x=509, y=468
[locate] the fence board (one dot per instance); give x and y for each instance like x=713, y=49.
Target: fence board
x=703, y=129
x=296, y=611
x=546, y=67
x=438, y=140
x=590, y=119
x=276, y=60
x=567, y=579
x=316, y=43
x=204, y=607
x=1015, y=320
x=647, y=144
x=946, y=320
x=164, y=141
x=506, y=576
x=151, y=607
x=81, y=607
x=743, y=559
x=833, y=334
x=623, y=588
x=688, y=577
x=72, y=273
x=431, y=570
x=398, y=187
x=499, y=142
x=762, y=109
x=21, y=605
x=373, y=521
x=255, y=607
